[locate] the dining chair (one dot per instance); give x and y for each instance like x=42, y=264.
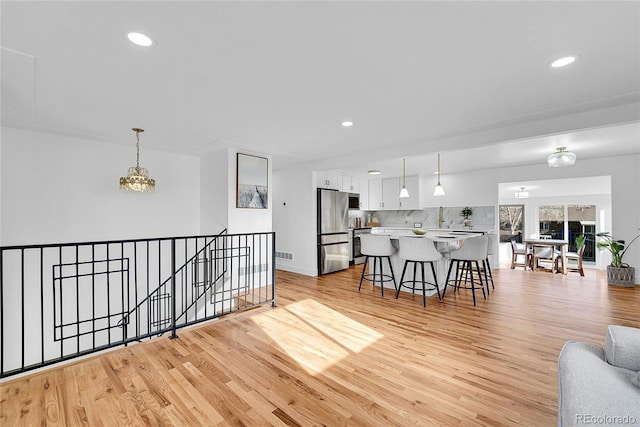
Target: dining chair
x=377, y=247
x=519, y=250
x=577, y=257
x=544, y=253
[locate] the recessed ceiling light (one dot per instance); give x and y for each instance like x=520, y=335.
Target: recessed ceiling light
x=140, y=39
x=561, y=62
x=374, y=172
x=347, y=124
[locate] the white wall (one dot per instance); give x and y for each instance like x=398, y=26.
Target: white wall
x=1, y=131
x=295, y=228
x=214, y=187
x=294, y=218
x=248, y=220
x=63, y=189
x=218, y=196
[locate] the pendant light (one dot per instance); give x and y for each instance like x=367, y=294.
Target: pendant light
x=521, y=194
x=439, y=190
x=561, y=157
x=404, y=193
x=137, y=178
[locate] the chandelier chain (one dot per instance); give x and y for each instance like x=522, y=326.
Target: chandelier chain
x=137, y=148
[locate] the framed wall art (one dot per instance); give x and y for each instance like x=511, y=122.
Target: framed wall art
x=252, y=182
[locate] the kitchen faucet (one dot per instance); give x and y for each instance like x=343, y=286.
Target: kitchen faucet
x=440, y=217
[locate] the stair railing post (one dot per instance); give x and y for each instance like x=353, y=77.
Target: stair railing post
x=273, y=269
x=173, y=290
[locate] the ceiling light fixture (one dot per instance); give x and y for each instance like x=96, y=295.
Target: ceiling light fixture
x=374, y=172
x=439, y=190
x=522, y=194
x=137, y=178
x=561, y=158
x=404, y=192
x=562, y=62
x=347, y=124
x=140, y=39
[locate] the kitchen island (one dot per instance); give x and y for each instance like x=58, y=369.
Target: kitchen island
x=445, y=241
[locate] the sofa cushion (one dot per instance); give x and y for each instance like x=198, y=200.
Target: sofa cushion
x=591, y=389
x=622, y=347
x=636, y=380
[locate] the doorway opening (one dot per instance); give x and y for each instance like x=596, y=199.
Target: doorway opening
x=561, y=209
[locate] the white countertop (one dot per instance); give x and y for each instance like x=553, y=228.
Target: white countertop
x=440, y=236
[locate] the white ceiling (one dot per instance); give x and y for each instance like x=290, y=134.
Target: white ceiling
x=468, y=79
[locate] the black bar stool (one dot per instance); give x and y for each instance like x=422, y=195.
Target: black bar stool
x=377, y=247
x=474, y=250
x=419, y=250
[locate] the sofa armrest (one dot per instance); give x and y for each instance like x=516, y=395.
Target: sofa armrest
x=589, y=389
x=622, y=347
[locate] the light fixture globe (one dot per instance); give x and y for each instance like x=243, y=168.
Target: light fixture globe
x=521, y=194
x=137, y=178
x=561, y=158
x=404, y=193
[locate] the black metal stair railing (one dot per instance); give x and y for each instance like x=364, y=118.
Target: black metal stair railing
x=61, y=301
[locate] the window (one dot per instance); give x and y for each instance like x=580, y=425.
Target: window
x=511, y=222
x=551, y=222
x=582, y=221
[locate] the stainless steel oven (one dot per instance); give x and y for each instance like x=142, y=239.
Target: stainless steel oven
x=358, y=258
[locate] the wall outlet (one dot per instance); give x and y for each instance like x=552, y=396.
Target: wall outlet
x=417, y=225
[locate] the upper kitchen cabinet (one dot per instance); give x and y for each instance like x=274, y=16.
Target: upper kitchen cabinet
x=413, y=187
x=350, y=184
x=383, y=194
x=390, y=193
x=329, y=179
x=375, y=194
x=364, y=194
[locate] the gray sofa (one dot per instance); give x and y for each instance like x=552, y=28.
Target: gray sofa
x=601, y=387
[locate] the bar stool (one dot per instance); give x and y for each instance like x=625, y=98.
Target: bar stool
x=492, y=243
x=419, y=250
x=474, y=250
x=377, y=247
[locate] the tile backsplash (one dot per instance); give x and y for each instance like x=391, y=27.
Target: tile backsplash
x=483, y=217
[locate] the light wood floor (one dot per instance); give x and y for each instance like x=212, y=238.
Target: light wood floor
x=328, y=355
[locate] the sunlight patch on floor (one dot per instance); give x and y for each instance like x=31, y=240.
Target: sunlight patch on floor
x=322, y=336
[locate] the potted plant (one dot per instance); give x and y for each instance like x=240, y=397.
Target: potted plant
x=618, y=272
x=466, y=213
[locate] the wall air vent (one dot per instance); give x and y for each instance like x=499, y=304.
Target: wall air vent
x=285, y=256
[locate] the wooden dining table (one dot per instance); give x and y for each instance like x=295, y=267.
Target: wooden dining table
x=554, y=244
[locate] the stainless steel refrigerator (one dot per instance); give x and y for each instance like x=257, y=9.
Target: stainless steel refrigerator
x=333, y=231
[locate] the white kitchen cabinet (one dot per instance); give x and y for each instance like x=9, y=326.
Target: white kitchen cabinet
x=350, y=184
x=364, y=194
x=413, y=187
x=383, y=194
x=375, y=194
x=390, y=193
x=329, y=179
